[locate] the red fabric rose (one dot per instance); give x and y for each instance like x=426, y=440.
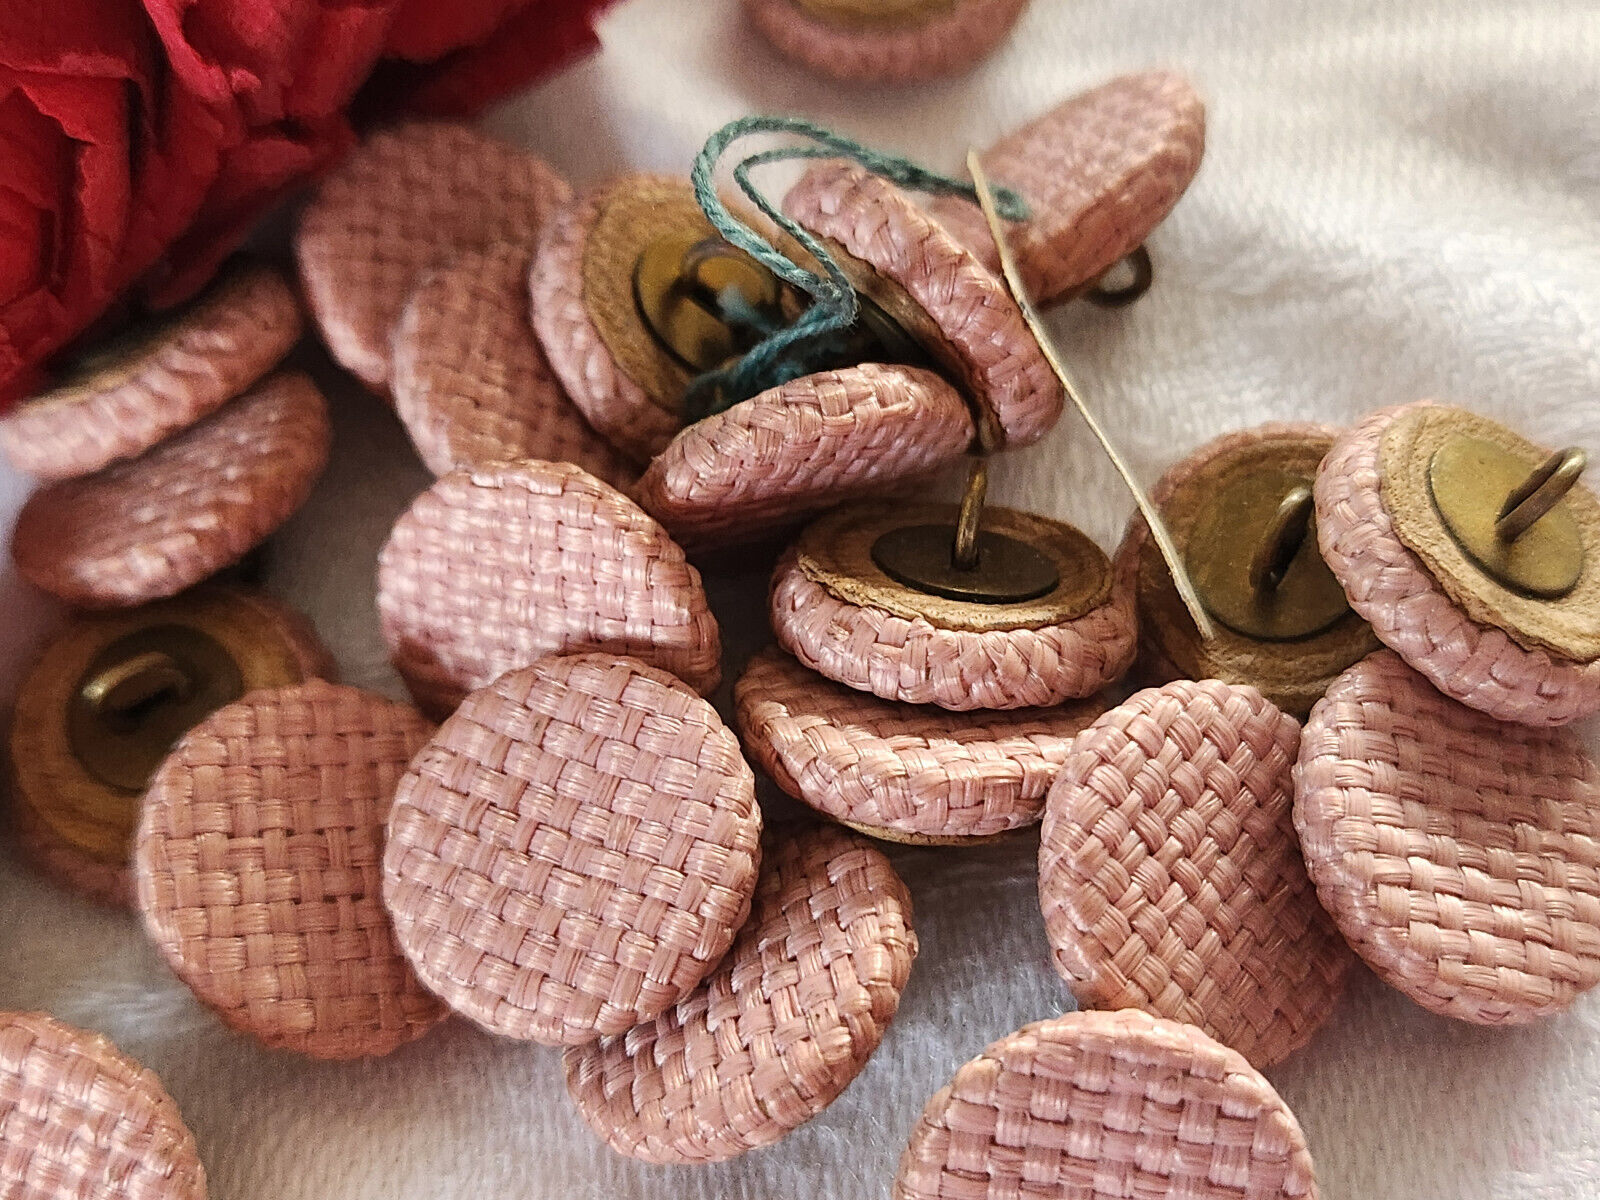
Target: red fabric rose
x=140, y=140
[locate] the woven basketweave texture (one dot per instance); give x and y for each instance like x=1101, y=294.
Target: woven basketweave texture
x=779, y=1030
x=258, y=862
x=820, y=440
x=1170, y=874
x=163, y=382
x=198, y=502
x=1459, y=855
x=1106, y=1106
x=472, y=385
x=905, y=768
x=80, y=1120
x=497, y=567
x=944, y=42
x=574, y=850
x=1293, y=674
x=977, y=326
x=1099, y=171
x=1479, y=665
x=612, y=402
x=409, y=200
x=912, y=660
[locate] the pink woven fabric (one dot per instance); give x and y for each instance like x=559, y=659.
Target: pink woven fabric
x=613, y=404
x=409, y=200
x=498, y=567
x=1106, y=1106
x=913, y=661
x=258, y=868
x=820, y=440
x=1460, y=856
x=1100, y=171
x=154, y=525
x=901, y=767
x=472, y=385
x=944, y=43
x=194, y=364
x=1479, y=665
x=1170, y=875
x=779, y=1030
x=574, y=851
x=80, y=1119
x=985, y=338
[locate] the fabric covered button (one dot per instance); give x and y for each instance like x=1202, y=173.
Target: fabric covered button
x=99, y=710
x=79, y=1118
x=782, y=1026
x=125, y=397
x=472, y=385
x=258, y=861
x=200, y=501
x=902, y=772
x=1496, y=648
x=574, y=850
x=1170, y=875
x=496, y=567
x=409, y=200
x=1459, y=855
x=1103, y=1106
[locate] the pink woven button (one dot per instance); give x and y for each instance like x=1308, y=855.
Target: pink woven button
x=1460, y=856
x=1170, y=875
x=470, y=381
x=820, y=440
x=1105, y=1106
x=836, y=611
x=154, y=525
x=1491, y=658
x=497, y=567
x=586, y=314
x=122, y=399
x=773, y=1036
x=901, y=772
x=934, y=287
x=574, y=850
x=409, y=200
x=1291, y=673
x=258, y=869
x=75, y=821
x=1099, y=171
x=930, y=40
x=78, y=1118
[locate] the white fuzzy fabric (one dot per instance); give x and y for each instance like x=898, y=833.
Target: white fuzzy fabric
x=1401, y=198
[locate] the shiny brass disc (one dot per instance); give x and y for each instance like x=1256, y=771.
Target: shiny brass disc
x=140, y=694
x=1257, y=569
x=1469, y=480
x=678, y=282
x=1007, y=571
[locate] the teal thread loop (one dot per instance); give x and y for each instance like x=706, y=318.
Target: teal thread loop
x=820, y=333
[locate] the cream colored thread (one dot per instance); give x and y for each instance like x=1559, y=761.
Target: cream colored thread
x=1158, y=527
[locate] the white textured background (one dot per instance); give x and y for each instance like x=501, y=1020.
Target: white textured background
x=1400, y=199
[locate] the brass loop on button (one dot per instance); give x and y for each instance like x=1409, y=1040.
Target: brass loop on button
x=1507, y=513
x=1141, y=272
x=143, y=692
x=683, y=284
x=964, y=553
x=1255, y=563
x=1284, y=538
x=1540, y=492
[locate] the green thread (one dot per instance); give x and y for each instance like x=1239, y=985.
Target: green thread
x=819, y=335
